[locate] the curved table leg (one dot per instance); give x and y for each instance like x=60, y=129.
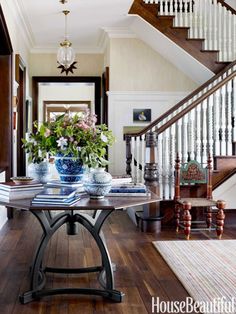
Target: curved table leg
x=50, y=226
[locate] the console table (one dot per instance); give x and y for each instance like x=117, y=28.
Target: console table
x=72, y=216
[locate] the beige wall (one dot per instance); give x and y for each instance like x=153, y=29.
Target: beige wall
x=46, y=65
x=134, y=66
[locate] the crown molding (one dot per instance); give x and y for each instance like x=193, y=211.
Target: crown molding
x=119, y=32
x=16, y=8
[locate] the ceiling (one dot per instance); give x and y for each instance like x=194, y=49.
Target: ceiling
x=88, y=18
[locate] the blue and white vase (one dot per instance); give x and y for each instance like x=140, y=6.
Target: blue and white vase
x=97, y=183
x=40, y=172
x=70, y=168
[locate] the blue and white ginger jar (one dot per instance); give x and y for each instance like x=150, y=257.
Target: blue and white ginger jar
x=97, y=183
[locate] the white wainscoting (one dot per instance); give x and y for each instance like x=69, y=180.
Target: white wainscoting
x=3, y=210
x=120, y=113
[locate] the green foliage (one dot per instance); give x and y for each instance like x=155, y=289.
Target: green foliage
x=77, y=136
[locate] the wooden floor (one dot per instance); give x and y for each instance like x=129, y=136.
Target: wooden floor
x=141, y=272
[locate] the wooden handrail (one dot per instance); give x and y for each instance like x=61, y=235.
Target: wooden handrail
x=195, y=103
x=228, y=7
x=179, y=104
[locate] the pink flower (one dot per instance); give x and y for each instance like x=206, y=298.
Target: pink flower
x=71, y=139
x=82, y=125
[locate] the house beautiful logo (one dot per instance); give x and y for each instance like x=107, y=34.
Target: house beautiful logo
x=216, y=306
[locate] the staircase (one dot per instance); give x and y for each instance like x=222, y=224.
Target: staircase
x=202, y=123
x=206, y=29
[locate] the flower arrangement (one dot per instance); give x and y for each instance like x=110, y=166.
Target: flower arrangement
x=74, y=136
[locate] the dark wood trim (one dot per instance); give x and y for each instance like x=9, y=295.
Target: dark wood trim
x=228, y=7
x=105, y=89
x=6, y=122
x=179, y=104
x=73, y=79
x=20, y=77
x=6, y=46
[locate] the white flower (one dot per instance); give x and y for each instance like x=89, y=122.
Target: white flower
x=104, y=138
x=62, y=142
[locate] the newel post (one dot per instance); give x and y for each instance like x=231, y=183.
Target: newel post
x=149, y=220
x=128, y=154
x=151, y=167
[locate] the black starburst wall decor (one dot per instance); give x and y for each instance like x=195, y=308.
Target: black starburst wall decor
x=71, y=68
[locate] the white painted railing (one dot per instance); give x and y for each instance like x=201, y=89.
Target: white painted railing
x=205, y=124
x=206, y=19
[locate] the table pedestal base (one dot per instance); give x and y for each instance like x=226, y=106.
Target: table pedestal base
x=50, y=225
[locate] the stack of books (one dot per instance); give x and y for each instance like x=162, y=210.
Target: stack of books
x=129, y=189
x=121, y=179
x=57, y=183
x=10, y=191
x=60, y=196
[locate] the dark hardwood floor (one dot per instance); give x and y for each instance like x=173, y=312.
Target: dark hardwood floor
x=141, y=272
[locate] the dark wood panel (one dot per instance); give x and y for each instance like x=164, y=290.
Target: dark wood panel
x=6, y=113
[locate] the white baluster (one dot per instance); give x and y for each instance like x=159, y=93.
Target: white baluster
x=181, y=13
x=176, y=13
x=204, y=131
x=233, y=37
x=229, y=36
x=161, y=7
x=215, y=25
x=159, y=161
x=205, y=17
x=171, y=8
x=196, y=19
x=179, y=138
x=200, y=19
x=191, y=134
x=224, y=33
x=210, y=115
x=166, y=163
x=142, y=156
x=223, y=121
x=219, y=35
x=137, y=151
x=209, y=31
x=185, y=139
x=198, y=134
x=234, y=109
x=133, y=172
x=190, y=16
x=172, y=158
x=217, y=123
x=229, y=118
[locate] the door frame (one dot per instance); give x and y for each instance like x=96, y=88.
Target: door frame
x=71, y=79
x=20, y=77
x=6, y=96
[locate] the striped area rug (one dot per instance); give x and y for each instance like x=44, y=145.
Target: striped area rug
x=207, y=269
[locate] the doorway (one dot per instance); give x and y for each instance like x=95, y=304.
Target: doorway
x=46, y=80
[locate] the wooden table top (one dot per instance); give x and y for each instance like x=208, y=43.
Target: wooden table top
x=87, y=203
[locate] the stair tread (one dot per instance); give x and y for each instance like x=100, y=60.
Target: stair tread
x=208, y=50
x=180, y=27
x=196, y=39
